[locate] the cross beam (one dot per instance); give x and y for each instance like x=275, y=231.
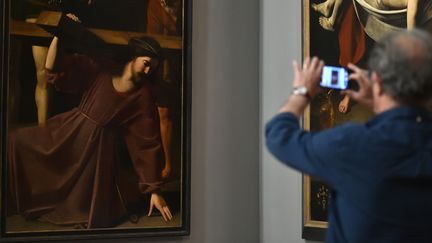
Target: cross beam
x=50, y=22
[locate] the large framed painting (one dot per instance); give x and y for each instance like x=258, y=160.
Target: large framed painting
x=95, y=125
x=342, y=32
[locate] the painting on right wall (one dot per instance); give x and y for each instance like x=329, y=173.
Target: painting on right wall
x=342, y=32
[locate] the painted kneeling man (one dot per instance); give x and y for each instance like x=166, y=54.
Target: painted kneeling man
x=66, y=172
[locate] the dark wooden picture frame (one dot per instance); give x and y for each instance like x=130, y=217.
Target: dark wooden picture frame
x=108, y=30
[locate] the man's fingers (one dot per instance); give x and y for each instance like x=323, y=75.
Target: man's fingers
x=306, y=62
x=352, y=94
x=296, y=68
x=360, y=78
x=295, y=65
x=358, y=74
x=320, y=67
x=354, y=68
x=313, y=64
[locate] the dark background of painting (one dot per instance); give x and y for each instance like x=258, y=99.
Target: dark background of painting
x=324, y=107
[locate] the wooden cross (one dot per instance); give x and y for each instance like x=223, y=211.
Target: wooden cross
x=51, y=22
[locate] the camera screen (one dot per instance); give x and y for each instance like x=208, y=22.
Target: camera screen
x=334, y=78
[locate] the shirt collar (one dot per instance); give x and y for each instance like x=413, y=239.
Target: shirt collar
x=417, y=113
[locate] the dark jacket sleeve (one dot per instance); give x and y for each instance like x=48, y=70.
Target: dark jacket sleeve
x=321, y=154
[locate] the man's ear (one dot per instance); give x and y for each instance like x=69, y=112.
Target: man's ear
x=377, y=83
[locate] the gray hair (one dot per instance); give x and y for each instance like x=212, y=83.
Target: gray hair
x=403, y=60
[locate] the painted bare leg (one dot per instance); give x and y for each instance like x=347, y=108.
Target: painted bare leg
x=42, y=89
x=42, y=92
x=324, y=8
x=344, y=104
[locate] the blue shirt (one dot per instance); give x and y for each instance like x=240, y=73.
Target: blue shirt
x=380, y=173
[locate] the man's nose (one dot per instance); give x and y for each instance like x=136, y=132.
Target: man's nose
x=146, y=70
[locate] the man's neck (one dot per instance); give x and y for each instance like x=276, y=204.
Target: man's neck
x=385, y=103
x=123, y=83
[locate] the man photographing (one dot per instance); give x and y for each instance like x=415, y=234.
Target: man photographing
x=380, y=172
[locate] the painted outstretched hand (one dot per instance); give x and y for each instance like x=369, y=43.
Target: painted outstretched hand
x=158, y=201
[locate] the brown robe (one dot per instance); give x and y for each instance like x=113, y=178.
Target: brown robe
x=66, y=171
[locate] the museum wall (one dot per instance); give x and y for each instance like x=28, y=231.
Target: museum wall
x=281, y=43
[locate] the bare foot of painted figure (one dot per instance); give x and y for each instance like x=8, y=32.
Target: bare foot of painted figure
x=330, y=11
x=327, y=23
x=344, y=104
x=324, y=8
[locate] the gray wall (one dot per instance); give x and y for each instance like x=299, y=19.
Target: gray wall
x=281, y=198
